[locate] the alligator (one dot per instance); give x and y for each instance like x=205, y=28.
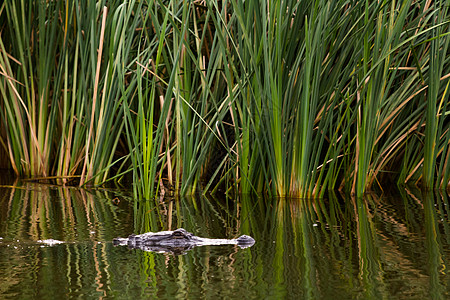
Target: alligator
x=177, y=242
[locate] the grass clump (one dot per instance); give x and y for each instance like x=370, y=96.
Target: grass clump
x=289, y=98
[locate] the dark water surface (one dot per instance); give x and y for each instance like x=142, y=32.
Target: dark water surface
x=379, y=247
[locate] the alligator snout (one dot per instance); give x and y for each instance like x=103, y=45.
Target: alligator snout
x=246, y=241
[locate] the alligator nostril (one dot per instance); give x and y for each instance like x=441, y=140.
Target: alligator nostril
x=245, y=240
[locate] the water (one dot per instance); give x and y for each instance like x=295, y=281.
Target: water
x=379, y=247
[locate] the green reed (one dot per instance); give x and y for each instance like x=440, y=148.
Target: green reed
x=435, y=100
x=284, y=98
x=60, y=103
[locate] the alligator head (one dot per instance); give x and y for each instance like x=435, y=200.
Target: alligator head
x=177, y=241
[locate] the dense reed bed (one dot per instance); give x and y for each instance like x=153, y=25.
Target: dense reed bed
x=288, y=98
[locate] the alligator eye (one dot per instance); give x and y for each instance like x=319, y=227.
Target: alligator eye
x=178, y=235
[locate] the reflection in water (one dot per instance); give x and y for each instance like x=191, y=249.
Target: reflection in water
x=371, y=248
x=371, y=279
x=32, y=218
x=376, y=247
x=436, y=265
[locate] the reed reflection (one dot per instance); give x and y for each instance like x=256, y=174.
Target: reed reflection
x=73, y=221
x=370, y=247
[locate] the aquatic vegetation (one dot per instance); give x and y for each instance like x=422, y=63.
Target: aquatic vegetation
x=288, y=98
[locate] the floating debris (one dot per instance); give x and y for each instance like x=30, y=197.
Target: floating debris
x=50, y=242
